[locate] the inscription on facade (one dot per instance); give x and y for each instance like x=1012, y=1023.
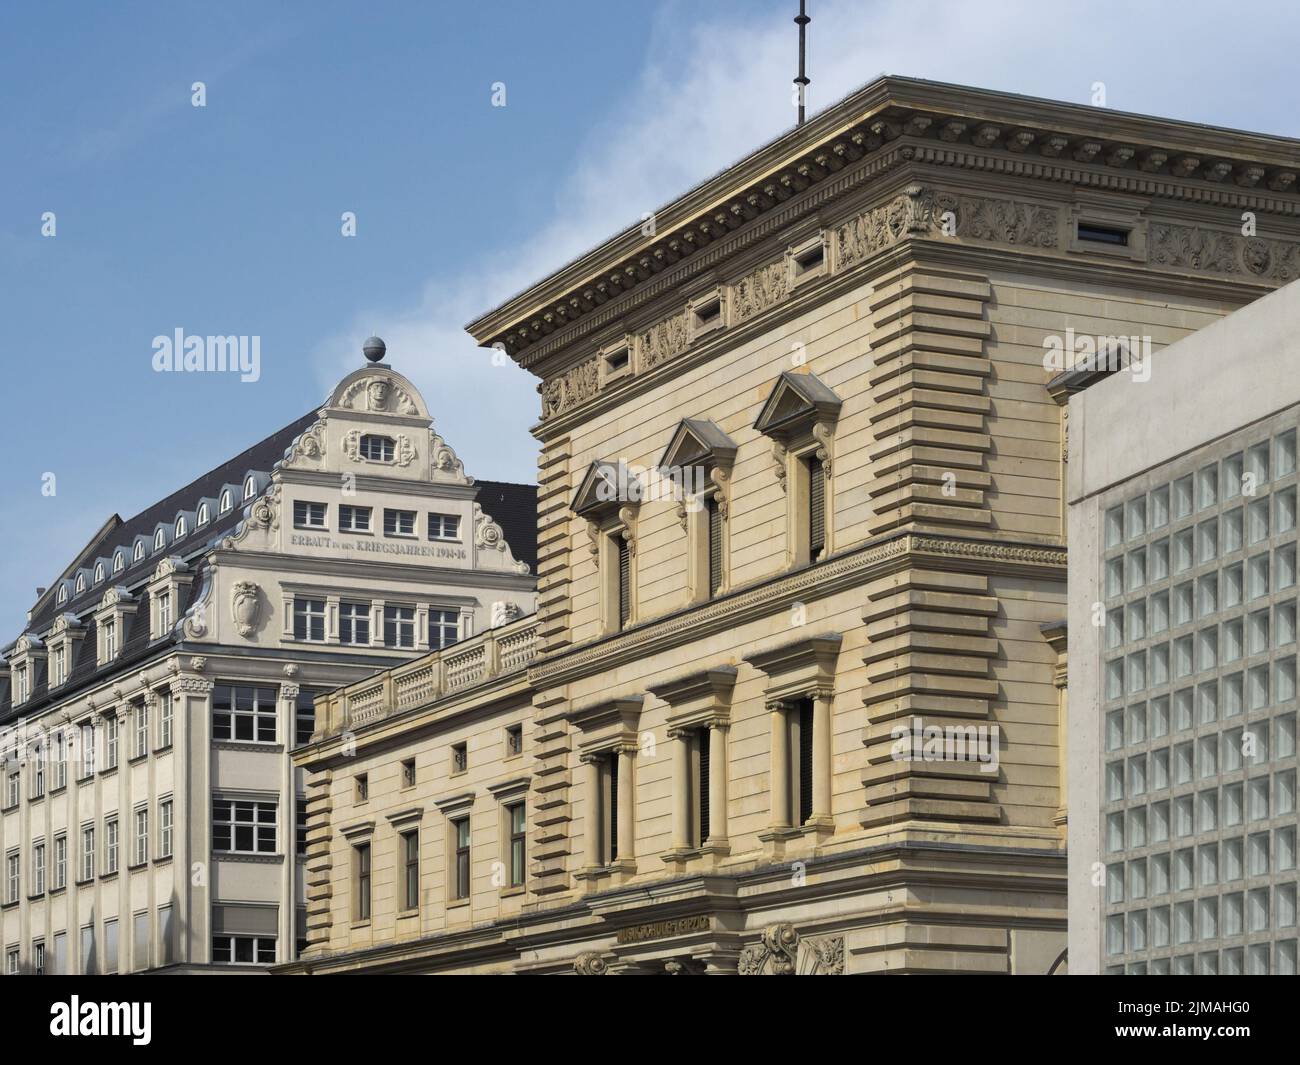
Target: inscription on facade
x=639, y=933
x=382, y=547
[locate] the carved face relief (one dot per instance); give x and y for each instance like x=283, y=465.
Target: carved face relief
x=377, y=394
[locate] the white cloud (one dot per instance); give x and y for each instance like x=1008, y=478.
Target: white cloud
x=714, y=89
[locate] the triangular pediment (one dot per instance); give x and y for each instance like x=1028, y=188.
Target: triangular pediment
x=606, y=485
x=698, y=442
x=796, y=399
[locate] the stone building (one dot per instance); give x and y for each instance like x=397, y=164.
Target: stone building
x=796, y=698
x=1183, y=664
x=151, y=815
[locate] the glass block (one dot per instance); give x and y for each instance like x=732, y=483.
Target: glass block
x=1233, y=640
x=1284, y=453
x=1257, y=632
x=1160, y=717
x=1160, y=507
x=1184, y=869
x=1208, y=864
x=1233, y=860
x=1233, y=467
x=1136, y=569
x=1159, y=822
x=1256, y=468
x=1136, y=517
x=1159, y=874
x=1207, y=541
x=1234, y=586
x=1183, y=497
x=1158, y=557
x=1184, y=550
x=1207, y=483
x=1257, y=854
x=1207, y=810
x=1159, y=613
x=1257, y=521
x=1284, y=624
x=1233, y=914
x=1160, y=769
x=1114, y=526
x=1208, y=918
x=1114, y=730
x=1284, y=568
x=1233, y=531
x=1284, y=511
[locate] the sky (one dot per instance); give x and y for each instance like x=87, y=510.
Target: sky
x=227, y=219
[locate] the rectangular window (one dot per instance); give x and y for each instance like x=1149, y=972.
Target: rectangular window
x=164, y=720
x=309, y=619
x=13, y=783
x=164, y=613
x=713, y=511
x=377, y=448
x=110, y=640
x=300, y=828
x=243, y=714
x=518, y=849
x=304, y=713
x=38, y=869
x=140, y=950
x=13, y=879
x=165, y=828
x=59, y=879
x=444, y=628
x=88, y=950
x=11, y=962
x=141, y=855
x=88, y=853
x=141, y=730
x=87, y=750
x=361, y=865
x=308, y=515
x=243, y=950
x=624, y=580
x=399, y=626
x=804, y=753
x=243, y=827
x=58, y=667
x=610, y=821
x=60, y=767
x=38, y=772
x=38, y=957
x=408, y=773
x=702, y=749
x=110, y=945
x=460, y=832
x=399, y=522
x=410, y=870
x=110, y=742
x=110, y=846
x=354, y=519
x=354, y=623
x=816, y=509
x=444, y=527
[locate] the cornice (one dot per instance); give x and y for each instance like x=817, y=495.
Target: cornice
x=891, y=120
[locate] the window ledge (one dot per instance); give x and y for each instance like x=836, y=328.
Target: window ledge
x=138, y=758
x=250, y=859
x=136, y=866
x=248, y=745
x=163, y=749
x=457, y=904
x=513, y=892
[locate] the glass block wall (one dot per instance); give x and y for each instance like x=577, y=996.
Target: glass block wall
x=1198, y=716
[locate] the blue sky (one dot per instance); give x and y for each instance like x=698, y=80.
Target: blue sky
x=226, y=219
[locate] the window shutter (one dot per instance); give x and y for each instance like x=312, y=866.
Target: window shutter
x=715, y=545
x=805, y=760
x=816, y=509
x=612, y=827
x=703, y=735
x=624, y=580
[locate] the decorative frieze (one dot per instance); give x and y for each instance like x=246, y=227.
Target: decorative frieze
x=764, y=288
x=663, y=341
x=576, y=385
x=1214, y=251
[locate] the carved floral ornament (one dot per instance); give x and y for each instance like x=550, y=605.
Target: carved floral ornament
x=781, y=951
x=489, y=536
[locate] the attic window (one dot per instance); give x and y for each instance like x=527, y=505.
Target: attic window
x=159, y=540
x=63, y=594
x=1096, y=234
x=225, y=501
x=808, y=260
x=203, y=515
x=181, y=530
x=618, y=360
x=139, y=554
x=250, y=488
x=377, y=448
x=81, y=582
x=99, y=572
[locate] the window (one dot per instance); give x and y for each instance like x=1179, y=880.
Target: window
x=109, y=629
x=408, y=772
x=459, y=757
x=164, y=613
x=88, y=853
x=444, y=527
x=81, y=583
x=60, y=767
x=410, y=842
x=88, y=950
x=110, y=743
x=243, y=950
x=300, y=828
x=308, y=515
x=354, y=623
x=304, y=712
x=399, y=626
x=38, y=868
x=361, y=876
x=181, y=528
x=166, y=935
x=11, y=962
x=60, y=966
x=110, y=846
x=243, y=827
x=250, y=487
x=63, y=594
x=140, y=932
x=204, y=515
x=58, y=665
x=354, y=519
x=624, y=579
x=87, y=750
x=159, y=540
x=38, y=957
x=444, y=628
x=164, y=720
x=363, y=787
x=141, y=836
x=99, y=573
x=713, y=516
x=110, y=945
x=514, y=740
x=38, y=772
x=309, y=619
x=59, y=877
x=515, y=820
x=13, y=881
x=816, y=508
x=609, y=798
x=165, y=828
x=399, y=522
x=377, y=448
x=460, y=833
x=225, y=503
x=136, y=556
x=243, y=714
x=12, y=779
x=141, y=730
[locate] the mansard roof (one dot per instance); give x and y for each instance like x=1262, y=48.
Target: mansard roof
x=514, y=508
x=861, y=136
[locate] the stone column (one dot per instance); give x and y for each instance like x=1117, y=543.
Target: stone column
x=626, y=803
x=681, y=839
x=125, y=841
x=196, y=819
x=822, y=741
x=593, y=858
x=780, y=770
x=718, y=733
x=180, y=821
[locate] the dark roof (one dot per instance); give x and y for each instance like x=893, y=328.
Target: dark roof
x=261, y=457
x=514, y=508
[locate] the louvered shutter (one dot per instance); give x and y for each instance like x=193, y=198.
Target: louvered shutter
x=816, y=509
x=613, y=806
x=624, y=581
x=805, y=760
x=703, y=735
x=715, y=546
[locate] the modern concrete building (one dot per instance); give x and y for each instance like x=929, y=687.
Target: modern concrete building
x=796, y=693
x=1182, y=670
x=151, y=816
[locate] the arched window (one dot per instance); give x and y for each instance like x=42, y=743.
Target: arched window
x=99, y=572
x=180, y=528
x=81, y=582
x=159, y=539
x=377, y=448
x=225, y=501
x=139, y=554
x=63, y=594
x=250, y=487
x=203, y=514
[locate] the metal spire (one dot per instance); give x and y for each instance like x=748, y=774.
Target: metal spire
x=802, y=80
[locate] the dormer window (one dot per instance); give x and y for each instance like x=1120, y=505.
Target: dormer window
x=377, y=448
x=159, y=540
x=99, y=572
x=202, y=518
x=225, y=503
x=181, y=528
x=136, y=556
x=63, y=594
x=81, y=583
x=109, y=630
x=250, y=488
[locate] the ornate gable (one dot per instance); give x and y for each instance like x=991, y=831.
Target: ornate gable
x=797, y=402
